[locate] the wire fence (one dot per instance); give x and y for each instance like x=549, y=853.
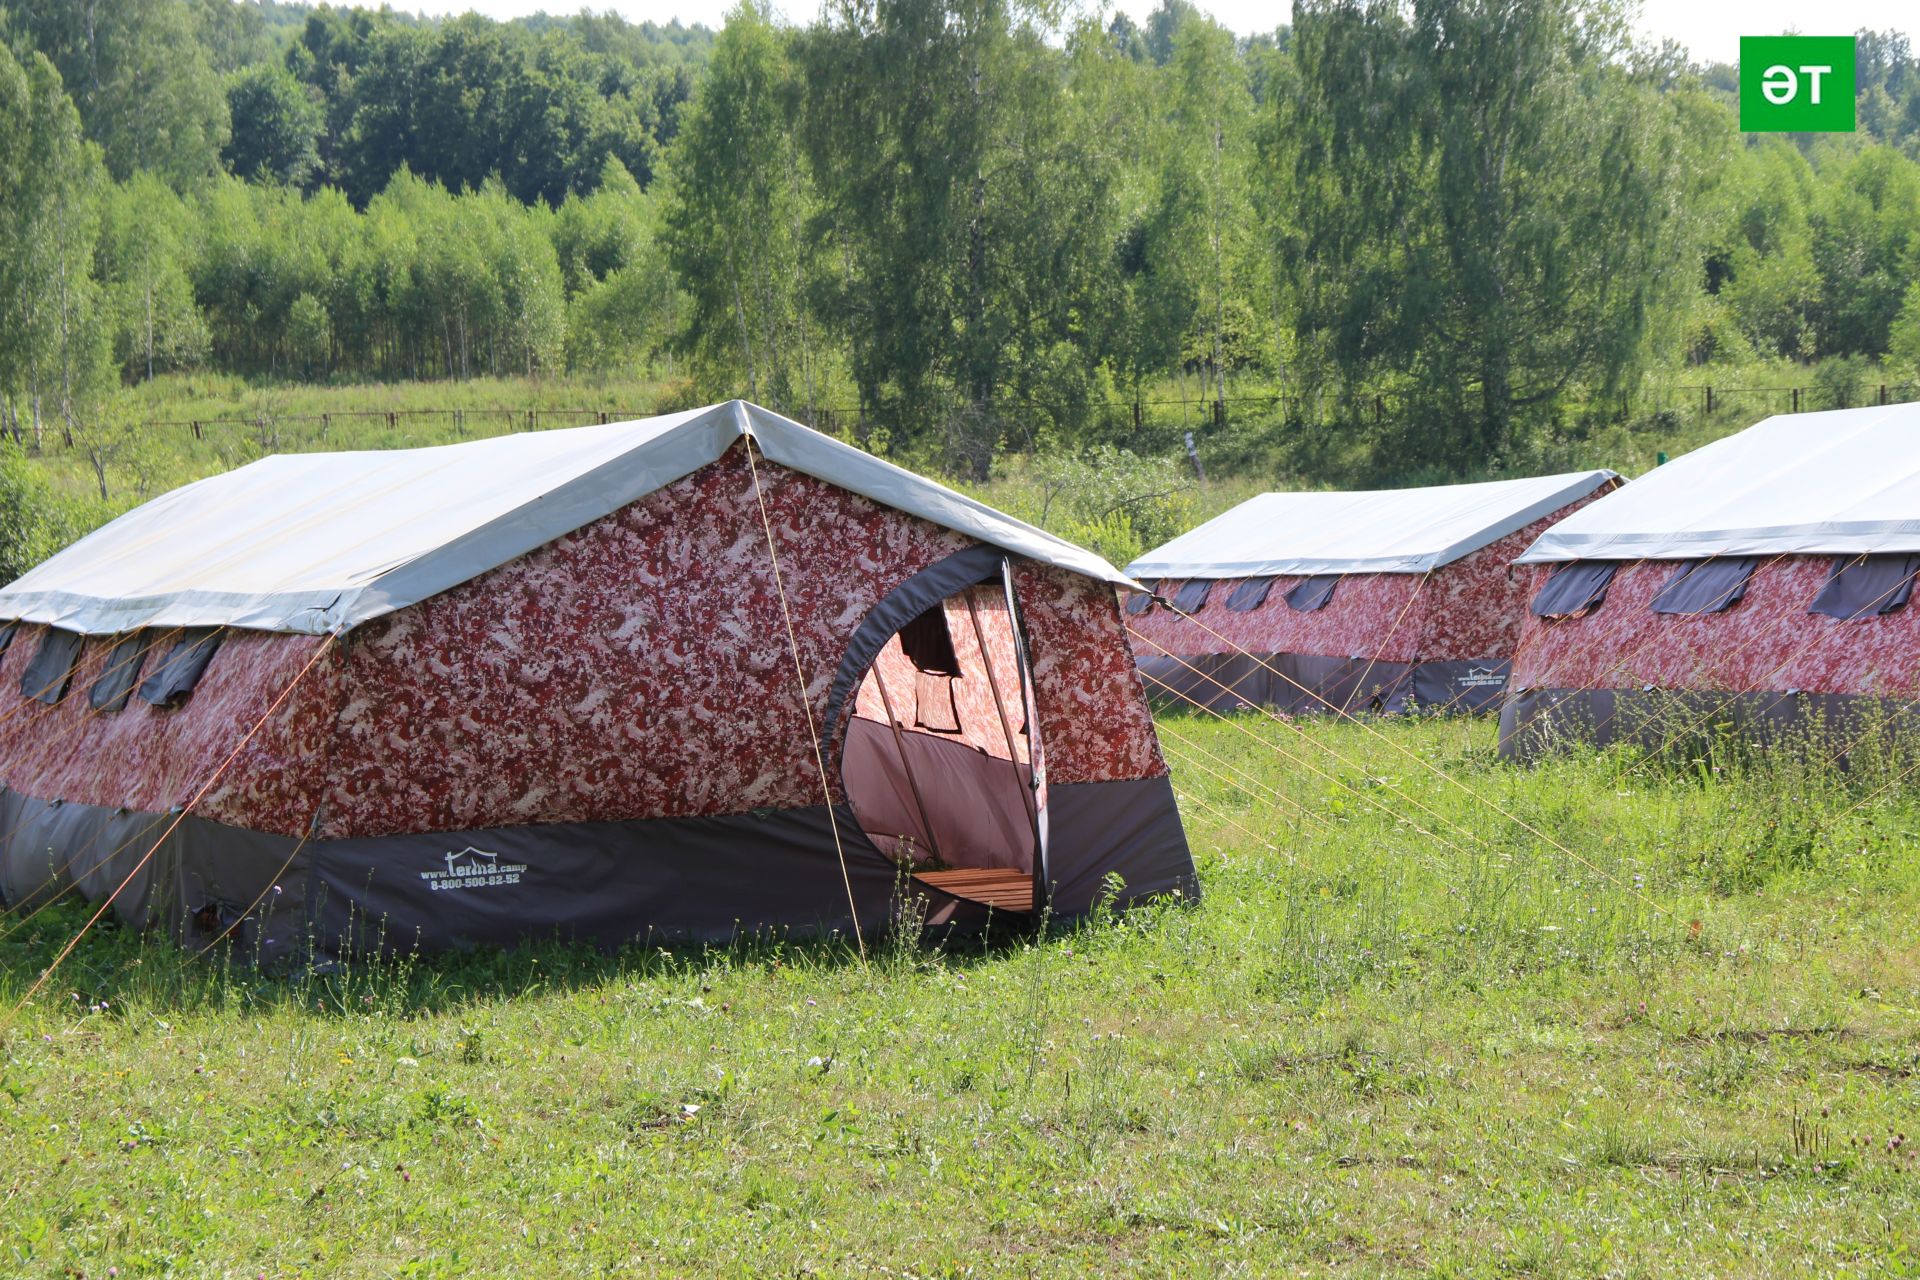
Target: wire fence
x=1156, y=421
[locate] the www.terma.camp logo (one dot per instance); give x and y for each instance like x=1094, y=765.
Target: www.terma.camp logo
x=1796, y=84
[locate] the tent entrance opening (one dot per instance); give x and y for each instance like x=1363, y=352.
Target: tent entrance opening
x=939, y=753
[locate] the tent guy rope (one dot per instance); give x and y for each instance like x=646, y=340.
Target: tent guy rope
x=806, y=701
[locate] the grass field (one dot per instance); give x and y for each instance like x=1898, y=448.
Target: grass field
x=144, y=442
x=147, y=444
x=1675, y=1033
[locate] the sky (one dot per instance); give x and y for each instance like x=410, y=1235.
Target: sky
x=1711, y=29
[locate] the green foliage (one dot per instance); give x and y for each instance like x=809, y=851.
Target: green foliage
x=1485, y=209
x=1435, y=239
x=737, y=203
x=540, y=107
x=623, y=296
x=139, y=74
x=968, y=214
x=1107, y=499
x=1903, y=339
x=1865, y=238
x=34, y=521
x=143, y=261
x=54, y=341
x=1199, y=293
x=277, y=123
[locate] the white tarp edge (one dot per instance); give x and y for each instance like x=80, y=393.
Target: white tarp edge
x=314, y=543
x=1372, y=531
x=1832, y=483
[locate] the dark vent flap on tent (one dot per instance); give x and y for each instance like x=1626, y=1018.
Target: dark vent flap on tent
x=46, y=677
x=1140, y=601
x=1706, y=586
x=1574, y=588
x=1865, y=586
x=1192, y=595
x=1249, y=595
x=6, y=636
x=115, y=685
x=182, y=668
x=1313, y=594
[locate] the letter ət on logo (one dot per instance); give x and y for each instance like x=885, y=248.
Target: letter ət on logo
x=1797, y=84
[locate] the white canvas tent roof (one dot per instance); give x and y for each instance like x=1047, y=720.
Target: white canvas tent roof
x=322, y=542
x=1372, y=531
x=1847, y=480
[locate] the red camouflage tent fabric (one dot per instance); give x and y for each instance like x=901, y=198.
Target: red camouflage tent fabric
x=602, y=737
x=1800, y=539
x=1411, y=603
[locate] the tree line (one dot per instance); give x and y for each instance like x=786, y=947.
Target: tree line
x=976, y=220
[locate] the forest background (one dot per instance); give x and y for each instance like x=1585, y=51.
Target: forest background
x=1026, y=246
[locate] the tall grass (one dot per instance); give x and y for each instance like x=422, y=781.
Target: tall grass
x=1676, y=1034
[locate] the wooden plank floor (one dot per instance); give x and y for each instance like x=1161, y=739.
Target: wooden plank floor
x=999, y=889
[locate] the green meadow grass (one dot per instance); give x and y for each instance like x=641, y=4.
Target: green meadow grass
x=147, y=444
x=141, y=439
x=1675, y=1033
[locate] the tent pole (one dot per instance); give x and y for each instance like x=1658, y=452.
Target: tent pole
x=906, y=762
x=1036, y=761
x=1006, y=726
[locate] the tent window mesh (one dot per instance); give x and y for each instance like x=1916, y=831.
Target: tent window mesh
x=1706, y=586
x=1577, y=587
x=174, y=680
x=1192, y=595
x=928, y=643
x=1140, y=601
x=116, y=684
x=1866, y=586
x=1313, y=594
x=1249, y=595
